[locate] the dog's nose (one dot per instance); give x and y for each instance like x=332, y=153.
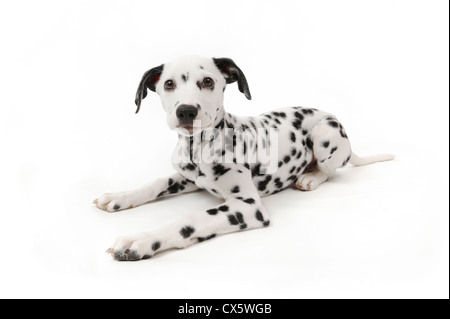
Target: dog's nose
x=186, y=114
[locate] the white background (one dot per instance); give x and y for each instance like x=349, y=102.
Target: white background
x=69, y=71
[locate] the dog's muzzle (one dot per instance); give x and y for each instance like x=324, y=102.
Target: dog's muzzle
x=186, y=115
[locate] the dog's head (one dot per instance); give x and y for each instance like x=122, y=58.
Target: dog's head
x=191, y=89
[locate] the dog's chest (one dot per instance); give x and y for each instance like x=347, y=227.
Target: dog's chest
x=194, y=157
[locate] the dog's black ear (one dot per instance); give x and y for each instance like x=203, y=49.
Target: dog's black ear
x=233, y=73
x=148, y=81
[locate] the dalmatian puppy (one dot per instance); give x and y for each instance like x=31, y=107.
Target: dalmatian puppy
x=238, y=159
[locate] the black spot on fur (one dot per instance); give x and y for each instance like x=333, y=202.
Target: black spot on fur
x=220, y=125
x=307, y=111
x=170, y=181
x=333, y=124
x=283, y=115
x=161, y=194
x=190, y=167
x=299, y=154
x=299, y=116
x=263, y=184
x=280, y=163
x=333, y=150
x=187, y=231
x=256, y=170
x=292, y=135
x=237, y=219
x=201, y=67
x=235, y=189
x=293, y=151
x=297, y=124
x=286, y=159
x=346, y=161
x=259, y=216
x=223, y=208
x=278, y=183
x=184, y=77
x=240, y=217
x=304, y=132
x=249, y=201
x=220, y=170
x=116, y=207
x=174, y=188
x=292, y=170
x=200, y=239
x=156, y=245
x=212, y=211
x=199, y=85
x=309, y=142
x=326, y=144
x=233, y=220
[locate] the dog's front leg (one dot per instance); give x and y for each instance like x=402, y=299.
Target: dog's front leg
x=241, y=210
x=175, y=184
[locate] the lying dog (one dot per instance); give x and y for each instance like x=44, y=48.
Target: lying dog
x=238, y=159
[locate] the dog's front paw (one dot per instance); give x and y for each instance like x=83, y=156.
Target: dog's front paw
x=134, y=248
x=113, y=202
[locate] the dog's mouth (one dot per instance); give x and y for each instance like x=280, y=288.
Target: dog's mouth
x=188, y=128
x=191, y=129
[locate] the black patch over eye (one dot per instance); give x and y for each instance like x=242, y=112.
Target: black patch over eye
x=169, y=85
x=208, y=82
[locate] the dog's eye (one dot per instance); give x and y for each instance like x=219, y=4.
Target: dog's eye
x=208, y=82
x=169, y=85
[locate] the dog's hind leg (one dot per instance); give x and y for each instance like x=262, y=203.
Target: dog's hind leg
x=331, y=150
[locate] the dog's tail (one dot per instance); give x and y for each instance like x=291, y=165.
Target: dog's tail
x=359, y=161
